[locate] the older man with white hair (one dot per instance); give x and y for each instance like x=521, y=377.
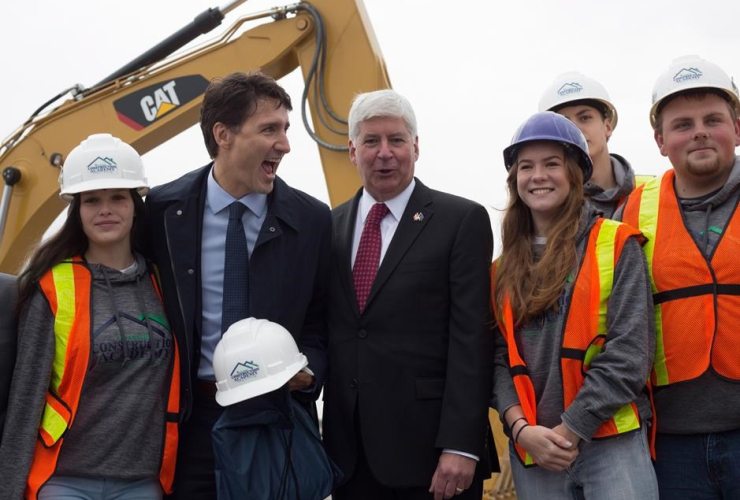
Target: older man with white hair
x=410, y=347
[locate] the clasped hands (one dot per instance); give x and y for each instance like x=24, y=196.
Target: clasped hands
x=553, y=449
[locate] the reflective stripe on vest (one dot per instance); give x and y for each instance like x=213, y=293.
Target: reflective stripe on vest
x=67, y=289
x=696, y=300
x=642, y=179
x=584, y=333
x=54, y=420
x=639, y=181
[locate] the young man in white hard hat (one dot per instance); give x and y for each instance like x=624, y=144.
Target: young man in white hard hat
x=690, y=218
x=585, y=102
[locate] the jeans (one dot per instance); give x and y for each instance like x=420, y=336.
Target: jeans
x=617, y=468
x=698, y=466
x=85, y=488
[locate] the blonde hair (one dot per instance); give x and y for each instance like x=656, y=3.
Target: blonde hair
x=535, y=287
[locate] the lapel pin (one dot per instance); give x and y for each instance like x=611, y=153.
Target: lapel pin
x=418, y=217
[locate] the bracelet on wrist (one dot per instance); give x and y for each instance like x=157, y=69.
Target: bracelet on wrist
x=516, y=437
x=515, y=421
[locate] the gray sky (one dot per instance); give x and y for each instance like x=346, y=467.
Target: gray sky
x=473, y=69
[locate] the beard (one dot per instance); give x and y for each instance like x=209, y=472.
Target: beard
x=704, y=168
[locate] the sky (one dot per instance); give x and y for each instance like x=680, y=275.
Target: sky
x=472, y=69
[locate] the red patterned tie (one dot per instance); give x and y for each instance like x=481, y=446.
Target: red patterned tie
x=368, y=254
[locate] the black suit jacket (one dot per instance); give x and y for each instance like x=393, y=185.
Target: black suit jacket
x=288, y=269
x=8, y=340
x=417, y=363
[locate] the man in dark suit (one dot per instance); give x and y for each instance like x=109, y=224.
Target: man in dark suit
x=244, y=119
x=8, y=340
x=410, y=349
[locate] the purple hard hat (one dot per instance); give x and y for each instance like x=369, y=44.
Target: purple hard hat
x=549, y=126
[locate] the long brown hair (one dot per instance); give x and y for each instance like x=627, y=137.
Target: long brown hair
x=66, y=243
x=534, y=287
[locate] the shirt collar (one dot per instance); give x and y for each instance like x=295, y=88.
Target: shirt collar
x=219, y=199
x=396, y=206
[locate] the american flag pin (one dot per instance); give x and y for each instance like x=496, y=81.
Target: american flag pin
x=418, y=217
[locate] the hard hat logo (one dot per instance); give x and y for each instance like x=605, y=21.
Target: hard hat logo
x=687, y=74
x=691, y=74
x=570, y=88
x=254, y=357
x=102, y=166
x=91, y=166
x=243, y=371
x=574, y=88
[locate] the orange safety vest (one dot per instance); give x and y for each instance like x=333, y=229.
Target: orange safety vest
x=697, y=300
x=585, y=330
x=67, y=288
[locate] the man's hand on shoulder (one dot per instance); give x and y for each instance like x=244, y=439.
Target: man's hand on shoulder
x=453, y=472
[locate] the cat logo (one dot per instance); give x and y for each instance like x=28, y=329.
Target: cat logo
x=146, y=106
x=163, y=101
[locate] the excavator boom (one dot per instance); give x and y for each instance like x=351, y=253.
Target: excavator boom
x=330, y=40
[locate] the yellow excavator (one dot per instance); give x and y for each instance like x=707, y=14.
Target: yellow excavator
x=158, y=95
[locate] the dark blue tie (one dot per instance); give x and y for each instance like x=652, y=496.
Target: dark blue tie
x=236, y=270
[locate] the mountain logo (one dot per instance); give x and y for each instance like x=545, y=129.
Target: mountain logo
x=687, y=74
x=570, y=88
x=102, y=166
x=243, y=371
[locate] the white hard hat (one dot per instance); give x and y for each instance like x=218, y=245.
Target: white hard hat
x=691, y=72
x=254, y=357
x=102, y=162
x=575, y=86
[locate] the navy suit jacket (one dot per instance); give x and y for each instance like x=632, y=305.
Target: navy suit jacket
x=416, y=366
x=288, y=270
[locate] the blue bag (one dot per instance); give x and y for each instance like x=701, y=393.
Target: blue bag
x=268, y=453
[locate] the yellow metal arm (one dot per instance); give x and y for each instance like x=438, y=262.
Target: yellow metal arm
x=155, y=103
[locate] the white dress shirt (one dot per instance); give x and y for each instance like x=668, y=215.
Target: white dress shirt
x=388, y=225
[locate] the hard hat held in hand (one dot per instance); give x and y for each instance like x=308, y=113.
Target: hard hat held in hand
x=102, y=162
x=254, y=357
x=572, y=87
x=691, y=72
x=549, y=126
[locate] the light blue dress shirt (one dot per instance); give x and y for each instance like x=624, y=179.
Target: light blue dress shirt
x=215, y=223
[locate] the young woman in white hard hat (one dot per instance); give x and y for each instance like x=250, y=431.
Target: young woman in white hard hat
x=585, y=102
x=572, y=303
x=94, y=402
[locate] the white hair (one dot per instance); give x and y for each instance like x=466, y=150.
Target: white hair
x=386, y=102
